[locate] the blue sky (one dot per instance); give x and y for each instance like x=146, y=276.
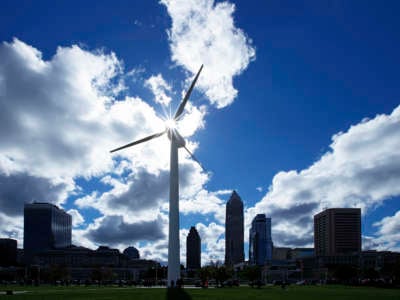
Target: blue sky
x=297, y=109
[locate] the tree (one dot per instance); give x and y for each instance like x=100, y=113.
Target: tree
x=252, y=273
x=206, y=273
x=222, y=273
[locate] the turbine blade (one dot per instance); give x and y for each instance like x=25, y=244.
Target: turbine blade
x=181, y=107
x=195, y=159
x=140, y=141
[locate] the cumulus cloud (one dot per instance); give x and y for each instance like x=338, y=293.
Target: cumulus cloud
x=114, y=230
x=19, y=188
x=212, y=236
x=361, y=169
x=59, y=117
x=389, y=225
x=12, y=227
x=58, y=120
x=204, y=202
x=77, y=218
x=387, y=235
x=144, y=193
x=204, y=32
x=160, y=88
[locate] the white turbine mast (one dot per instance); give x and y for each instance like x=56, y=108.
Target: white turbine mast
x=177, y=141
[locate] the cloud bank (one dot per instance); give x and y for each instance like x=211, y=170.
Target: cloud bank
x=361, y=169
x=204, y=32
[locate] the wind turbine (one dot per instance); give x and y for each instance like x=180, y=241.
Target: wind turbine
x=177, y=141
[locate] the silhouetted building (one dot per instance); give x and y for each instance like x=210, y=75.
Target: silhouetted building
x=193, y=250
x=45, y=227
x=260, y=241
x=300, y=253
x=385, y=261
x=132, y=253
x=8, y=252
x=281, y=253
x=82, y=263
x=337, y=231
x=234, y=230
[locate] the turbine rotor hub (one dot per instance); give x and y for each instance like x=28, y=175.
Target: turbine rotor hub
x=179, y=140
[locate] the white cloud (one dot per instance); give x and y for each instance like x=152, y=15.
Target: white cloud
x=204, y=202
x=387, y=236
x=159, y=87
x=212, y=236
x=77, y=218
x=12, y=227
x=192, y=120
x=389, y=225
x=362, y=169
x=204, y=33
x=59, y=118
x=212, y=241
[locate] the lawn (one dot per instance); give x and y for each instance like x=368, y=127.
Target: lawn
x=292, y=292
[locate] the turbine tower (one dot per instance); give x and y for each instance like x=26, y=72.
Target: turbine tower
x=177, y=141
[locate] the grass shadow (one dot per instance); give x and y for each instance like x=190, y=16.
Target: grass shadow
x=177, y=294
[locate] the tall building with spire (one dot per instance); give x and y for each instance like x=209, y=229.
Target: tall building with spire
x=234, y=230
x=193, y=250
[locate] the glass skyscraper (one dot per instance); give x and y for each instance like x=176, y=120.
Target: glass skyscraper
x=45, y=227
x=260, y=240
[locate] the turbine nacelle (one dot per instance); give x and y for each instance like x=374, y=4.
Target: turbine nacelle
x=174, y=134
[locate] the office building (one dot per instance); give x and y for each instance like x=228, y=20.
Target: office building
x=300, y=253
x=337, y=231
x=82, y=263
x=234, y=230
x=281, y=253
x=193, y=250
x=260, y=241
x=8, y=252
x=45, y=227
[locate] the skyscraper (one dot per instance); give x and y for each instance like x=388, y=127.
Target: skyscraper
x=337, y=231
x=45, y=227
x=260, y=241
x=234, y=230
x=193, y=250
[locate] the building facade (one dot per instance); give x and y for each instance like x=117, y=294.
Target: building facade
x=8, y=252
x=337, y=231
x=45, y=227
x=281, y=253
x=193, y=250
x=81, y=263
x=234, y=230
x=260, y=240
x=132, y=253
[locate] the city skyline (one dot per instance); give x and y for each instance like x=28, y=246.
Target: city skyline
x=337, y=232
x=297, y=110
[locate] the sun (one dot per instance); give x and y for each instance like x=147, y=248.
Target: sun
x=170, y=123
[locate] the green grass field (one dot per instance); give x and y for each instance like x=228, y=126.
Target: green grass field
x=273, y=293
